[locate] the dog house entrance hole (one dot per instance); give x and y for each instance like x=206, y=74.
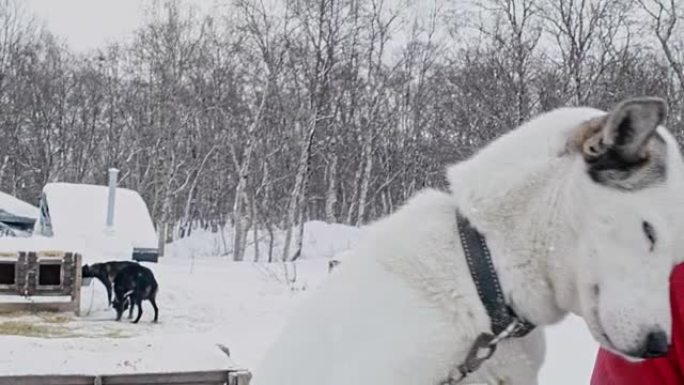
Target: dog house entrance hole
x=49, y=274
x=7, y=273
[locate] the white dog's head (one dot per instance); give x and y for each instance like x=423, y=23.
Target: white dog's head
x=627, y=227
x=585, y=209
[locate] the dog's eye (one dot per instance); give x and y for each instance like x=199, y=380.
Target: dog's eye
x=650, y=233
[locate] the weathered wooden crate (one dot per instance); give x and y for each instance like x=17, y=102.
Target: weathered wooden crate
x=28, y=281
x=217, y=377
x=47, y=380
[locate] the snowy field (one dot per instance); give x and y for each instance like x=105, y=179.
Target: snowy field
x=208, y=300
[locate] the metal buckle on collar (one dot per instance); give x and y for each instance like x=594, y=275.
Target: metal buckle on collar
x=474, y=359
x=485, y=343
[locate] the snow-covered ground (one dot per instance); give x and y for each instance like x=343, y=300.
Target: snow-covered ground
x=202, y=302
x=208, y=300
x=321, y=240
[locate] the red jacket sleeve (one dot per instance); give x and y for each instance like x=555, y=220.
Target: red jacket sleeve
x=611, y=369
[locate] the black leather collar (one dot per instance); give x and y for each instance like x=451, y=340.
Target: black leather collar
x=487, y=282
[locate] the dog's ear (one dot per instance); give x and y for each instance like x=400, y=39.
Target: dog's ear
x=620, y=148
x=626, y=130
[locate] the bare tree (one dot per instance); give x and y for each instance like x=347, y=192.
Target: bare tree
x=260, y=118
x=666, y=16
x=515, y=33
x=578, y=29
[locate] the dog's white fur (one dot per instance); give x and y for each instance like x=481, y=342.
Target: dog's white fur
x=403, y=310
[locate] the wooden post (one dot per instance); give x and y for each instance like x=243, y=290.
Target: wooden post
x=239, y=377
x=76, y=285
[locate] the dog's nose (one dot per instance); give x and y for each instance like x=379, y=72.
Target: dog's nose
x=656, y=345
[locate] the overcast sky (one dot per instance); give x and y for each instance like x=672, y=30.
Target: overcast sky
x=88, y=24
x=91, y=24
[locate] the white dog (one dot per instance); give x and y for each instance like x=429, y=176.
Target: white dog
x=581, y=210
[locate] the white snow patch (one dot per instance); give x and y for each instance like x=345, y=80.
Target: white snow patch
x=321, y=240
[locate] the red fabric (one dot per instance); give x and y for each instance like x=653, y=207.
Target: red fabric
x=611, y=369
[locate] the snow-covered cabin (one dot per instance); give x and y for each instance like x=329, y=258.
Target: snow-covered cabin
x=16, y=216
x=78, y=213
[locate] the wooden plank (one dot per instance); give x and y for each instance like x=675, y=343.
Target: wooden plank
x=178, y=378
x=216, y=377
x=76, y=286
x=36, y=306
x=51, y=293
x=50, y=254
x=47, y=380
x=182, y=383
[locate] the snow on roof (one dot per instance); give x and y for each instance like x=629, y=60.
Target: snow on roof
x=80, y=211
x=17, y=207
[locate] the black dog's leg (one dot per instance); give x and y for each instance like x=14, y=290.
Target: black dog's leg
x=153, y=301
x=131, y=305
x=139, y=303
x=109, y=293
x=108, y=286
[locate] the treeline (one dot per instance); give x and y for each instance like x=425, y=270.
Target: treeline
x=263, y=116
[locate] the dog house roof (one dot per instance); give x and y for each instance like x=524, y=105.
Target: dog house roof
x=79, y=211
x=16, y=216
x=16, y=207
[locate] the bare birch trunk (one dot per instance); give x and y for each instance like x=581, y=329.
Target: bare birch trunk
x=300, y=233
x=255, y=229
x=3, y=168
x=161, y=240
x=365, y=179
x=353, y=201
x=331, y=196
x=239, y=235
x=163, y=225
x=271, y=241
x=186, y=223
x=296, y=200
x=247, y=226
x=238, y=251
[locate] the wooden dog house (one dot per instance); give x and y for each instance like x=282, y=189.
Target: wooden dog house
x=40, y=280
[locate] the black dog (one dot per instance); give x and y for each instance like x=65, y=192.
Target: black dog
x=105, y=273
x=134, y=284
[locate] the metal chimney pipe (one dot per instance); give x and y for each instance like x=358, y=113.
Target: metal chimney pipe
x=113, y=176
